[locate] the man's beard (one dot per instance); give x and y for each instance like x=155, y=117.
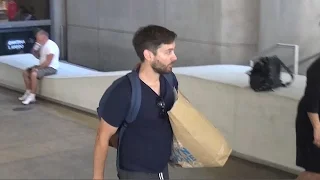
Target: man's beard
x=160, y=68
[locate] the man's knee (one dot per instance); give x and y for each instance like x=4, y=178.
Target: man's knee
x=34, y=75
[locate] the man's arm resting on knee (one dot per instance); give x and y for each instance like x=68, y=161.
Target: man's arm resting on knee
x=104, y=133
x=47, y=62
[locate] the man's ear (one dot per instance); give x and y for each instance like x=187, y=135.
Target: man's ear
x=148, y=55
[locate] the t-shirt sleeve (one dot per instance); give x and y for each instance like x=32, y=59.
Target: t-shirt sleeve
x=312, y=91
x=114, y=103
x=312, y=96
x=52, y=49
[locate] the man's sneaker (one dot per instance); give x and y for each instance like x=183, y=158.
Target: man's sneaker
x=30, y=99
x=24, y=97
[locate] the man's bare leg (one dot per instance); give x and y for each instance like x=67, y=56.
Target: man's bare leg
x=26, y=78
x=33, y=81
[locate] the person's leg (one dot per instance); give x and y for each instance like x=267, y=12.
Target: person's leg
x=34, y=81
x=34, y=77
x=136, y=175
x=33, y=84
x=311, y=164
x=26, y=78
x=165, y=173
x=122, y=174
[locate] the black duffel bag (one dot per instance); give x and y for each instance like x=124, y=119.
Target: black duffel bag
x=266, y=74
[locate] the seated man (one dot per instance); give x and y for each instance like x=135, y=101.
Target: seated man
x=48, y=52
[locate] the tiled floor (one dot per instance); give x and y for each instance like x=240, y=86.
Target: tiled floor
x=48, y=141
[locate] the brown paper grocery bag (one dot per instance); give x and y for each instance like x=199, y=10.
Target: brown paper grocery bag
x=196, y=143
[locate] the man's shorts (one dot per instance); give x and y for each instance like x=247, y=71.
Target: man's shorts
x=43, y=71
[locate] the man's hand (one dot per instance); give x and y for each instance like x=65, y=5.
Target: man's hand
x=316, y=136
x=314, y=118
x=35, y=68
x=35, y=53
x=97, y=178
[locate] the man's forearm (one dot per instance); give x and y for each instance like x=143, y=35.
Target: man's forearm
x=314, y=118
x=100, y=156
x=44, y=64
x=35, y=53
x=47, y=62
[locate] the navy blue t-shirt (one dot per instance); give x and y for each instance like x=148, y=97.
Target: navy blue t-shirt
x=147, y=142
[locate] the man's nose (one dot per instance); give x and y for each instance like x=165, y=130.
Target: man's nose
x=174, y=57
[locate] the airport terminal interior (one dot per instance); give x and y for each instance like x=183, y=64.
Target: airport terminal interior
x=218, y=43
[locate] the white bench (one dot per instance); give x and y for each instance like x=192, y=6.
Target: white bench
x=258, y=126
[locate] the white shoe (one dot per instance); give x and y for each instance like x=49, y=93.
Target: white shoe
x=24, y=97
x=30, y=99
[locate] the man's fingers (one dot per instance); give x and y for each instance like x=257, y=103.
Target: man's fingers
x=317, y=143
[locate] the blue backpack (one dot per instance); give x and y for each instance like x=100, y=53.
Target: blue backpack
x=133, y=76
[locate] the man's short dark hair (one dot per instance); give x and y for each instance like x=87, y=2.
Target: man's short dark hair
x=39, y=31
x=151, y=37
x=43, y=32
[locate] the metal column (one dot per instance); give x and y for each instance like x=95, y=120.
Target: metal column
x=58, y=27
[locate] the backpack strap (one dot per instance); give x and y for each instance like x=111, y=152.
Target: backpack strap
x=134, y=107
x=170, y=78
x=290, y=73
x=135, y=96
x=172, y=93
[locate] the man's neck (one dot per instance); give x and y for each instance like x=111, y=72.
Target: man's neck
x=147, y=74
